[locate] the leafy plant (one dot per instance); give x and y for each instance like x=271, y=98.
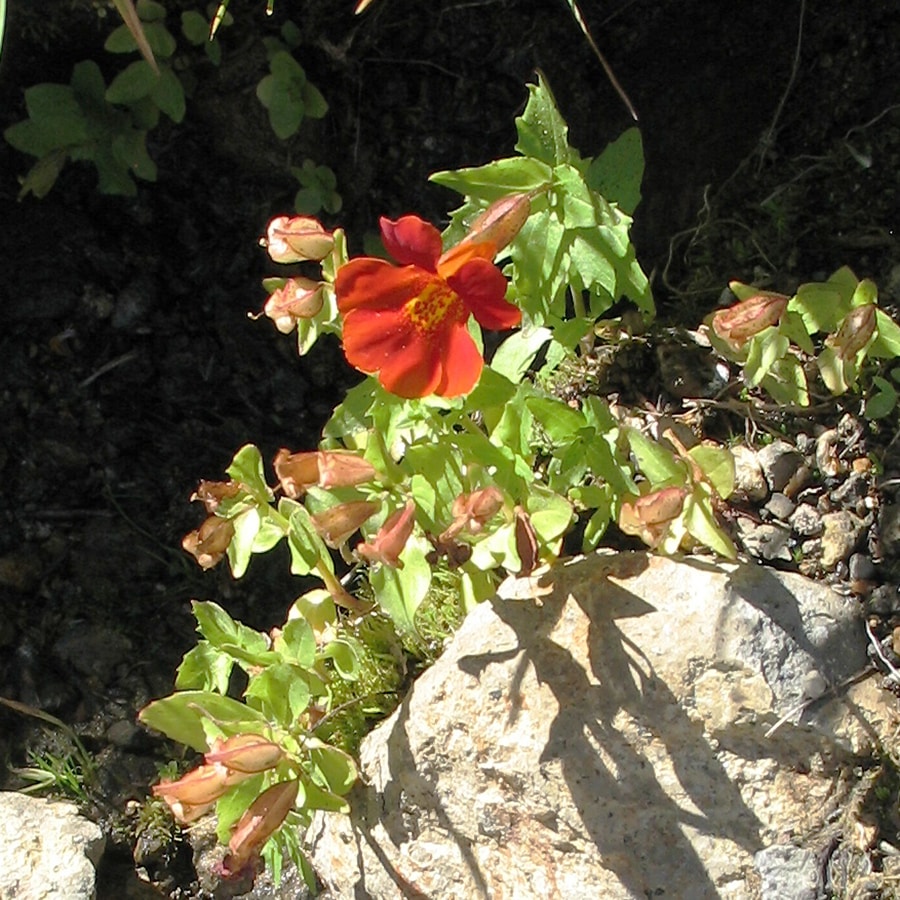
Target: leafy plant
x=772, y=336
x=317, y=189
x=461, y=478
x=107, y=126
x=286, y=92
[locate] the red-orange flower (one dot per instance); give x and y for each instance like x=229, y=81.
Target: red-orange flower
x=408, y=322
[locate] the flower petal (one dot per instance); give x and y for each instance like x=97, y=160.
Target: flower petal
x=412, y=241
x=461, y=363
x=377, y=285
x=482, y=287
x=456, y=257
x=385, y=341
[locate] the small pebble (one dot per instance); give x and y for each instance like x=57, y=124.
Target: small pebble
x=780, y=506
x=806, y=521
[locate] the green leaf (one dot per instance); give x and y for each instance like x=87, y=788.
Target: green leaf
x=319, y=798
x=887, y=344
x=517, y=352
x=221, y=630
x=496, y=179
x=247, y=469
x=180, y=715
x=297, y=642
x=786, y=382
x=559, y=420
x=314, y=104
x=246, y=528
x=231, y=806
x=43, y=174
x=307, y=547
x=763, y=351
x=701, y=523
x=617, y=173
x=579, y=209
x=655, y=461
x=551, y=515
x=345, y=658
x=399, y=592
x=130, y=148
x=283, y=691
x=331, y=766
x=543, y=134
x=717, y=464
x=168, y=94
x=132, y=83
x=195, y=27
x=883, y=402
x=204, y=668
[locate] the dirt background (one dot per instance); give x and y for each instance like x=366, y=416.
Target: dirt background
x=130, y=368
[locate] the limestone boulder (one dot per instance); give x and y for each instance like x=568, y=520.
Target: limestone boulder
x=48, y=851
x=650, y=728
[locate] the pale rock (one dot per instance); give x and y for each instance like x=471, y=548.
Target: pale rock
x=749, y=480
x=841, y=532
x=617, y=741
x=48, y=851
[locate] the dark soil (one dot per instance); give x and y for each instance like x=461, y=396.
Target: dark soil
x=130, y=366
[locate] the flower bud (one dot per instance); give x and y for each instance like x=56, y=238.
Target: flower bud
x=501, y=221
x=262, y=819
x=247, y=753
x=391, y=538
x=212, y=493
x=472, y=511
x=737, y=324
x=210, y=541
x=336, y=524
x=299, y=298
x=649, y=516
x=855, y=332
x=326, y=468
x=195, y=792
x=292, y=239
x=342, y=468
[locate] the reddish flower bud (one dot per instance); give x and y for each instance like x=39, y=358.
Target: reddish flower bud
x=262, y=819
x=299, y=298
x=649, y=516
x=342, y=468
x=326, y=468
x=501, y=221
x=472, y=511
x=212, y=493
x=248, y=753
x=388, y=544
x=292, y=239
x=210, y=541
x=196, y=791
x=336, y=524
x=855, y=332
x=740, y=322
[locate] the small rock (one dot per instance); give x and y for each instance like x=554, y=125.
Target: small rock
x=779, y=506
x=861, y=567
x=855, y=488
x=748, y=475
x=806, y=521
x=779, y=462
x=889, y=531
x=764, y=541
x=841, y=532
x=788, y=873
x=884, y=600
x=827, y=460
